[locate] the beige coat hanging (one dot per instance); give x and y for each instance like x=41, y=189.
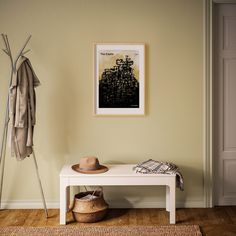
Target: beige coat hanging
x=22, y=106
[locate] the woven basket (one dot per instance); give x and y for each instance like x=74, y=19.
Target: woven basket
x=89, y=210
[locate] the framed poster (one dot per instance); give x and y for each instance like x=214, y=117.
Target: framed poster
x=119, y=79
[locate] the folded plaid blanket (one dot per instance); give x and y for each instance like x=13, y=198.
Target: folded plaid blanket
x=158, y=167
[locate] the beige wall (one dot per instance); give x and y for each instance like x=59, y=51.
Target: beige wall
x=62, y=56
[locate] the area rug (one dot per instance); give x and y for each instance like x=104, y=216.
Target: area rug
x=180, y=230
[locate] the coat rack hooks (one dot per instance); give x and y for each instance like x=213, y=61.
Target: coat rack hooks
x=7, y=50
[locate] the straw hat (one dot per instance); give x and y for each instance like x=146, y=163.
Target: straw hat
x=89, y=165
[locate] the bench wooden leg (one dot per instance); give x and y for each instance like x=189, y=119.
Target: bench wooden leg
x=67, y=198
x=167, y=198
x=64, y=198
x=172, y=203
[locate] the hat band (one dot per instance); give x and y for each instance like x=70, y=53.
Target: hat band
x=81, y=168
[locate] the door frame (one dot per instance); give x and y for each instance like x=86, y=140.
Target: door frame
x=208, y=162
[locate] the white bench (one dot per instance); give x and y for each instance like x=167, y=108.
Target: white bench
x=117, y=175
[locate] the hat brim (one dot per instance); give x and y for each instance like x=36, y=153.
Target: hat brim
x=101, y=169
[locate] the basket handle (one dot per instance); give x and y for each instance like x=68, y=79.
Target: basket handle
x=98, y=188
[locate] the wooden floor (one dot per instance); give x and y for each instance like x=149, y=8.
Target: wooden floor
x=212, y=221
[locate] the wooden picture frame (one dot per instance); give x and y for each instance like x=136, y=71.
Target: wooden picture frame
x=119, y=79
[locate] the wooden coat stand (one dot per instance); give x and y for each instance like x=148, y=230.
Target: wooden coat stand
x=7, y=50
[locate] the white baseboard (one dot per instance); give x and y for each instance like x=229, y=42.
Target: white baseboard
x=28, y=204
x=37, y=204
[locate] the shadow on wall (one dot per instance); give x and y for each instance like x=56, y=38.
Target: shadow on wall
x=193, y=182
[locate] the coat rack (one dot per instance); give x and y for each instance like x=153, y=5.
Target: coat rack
x=7, y=50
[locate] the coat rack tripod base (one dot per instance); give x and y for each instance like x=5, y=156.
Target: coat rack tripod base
x=6, y=122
